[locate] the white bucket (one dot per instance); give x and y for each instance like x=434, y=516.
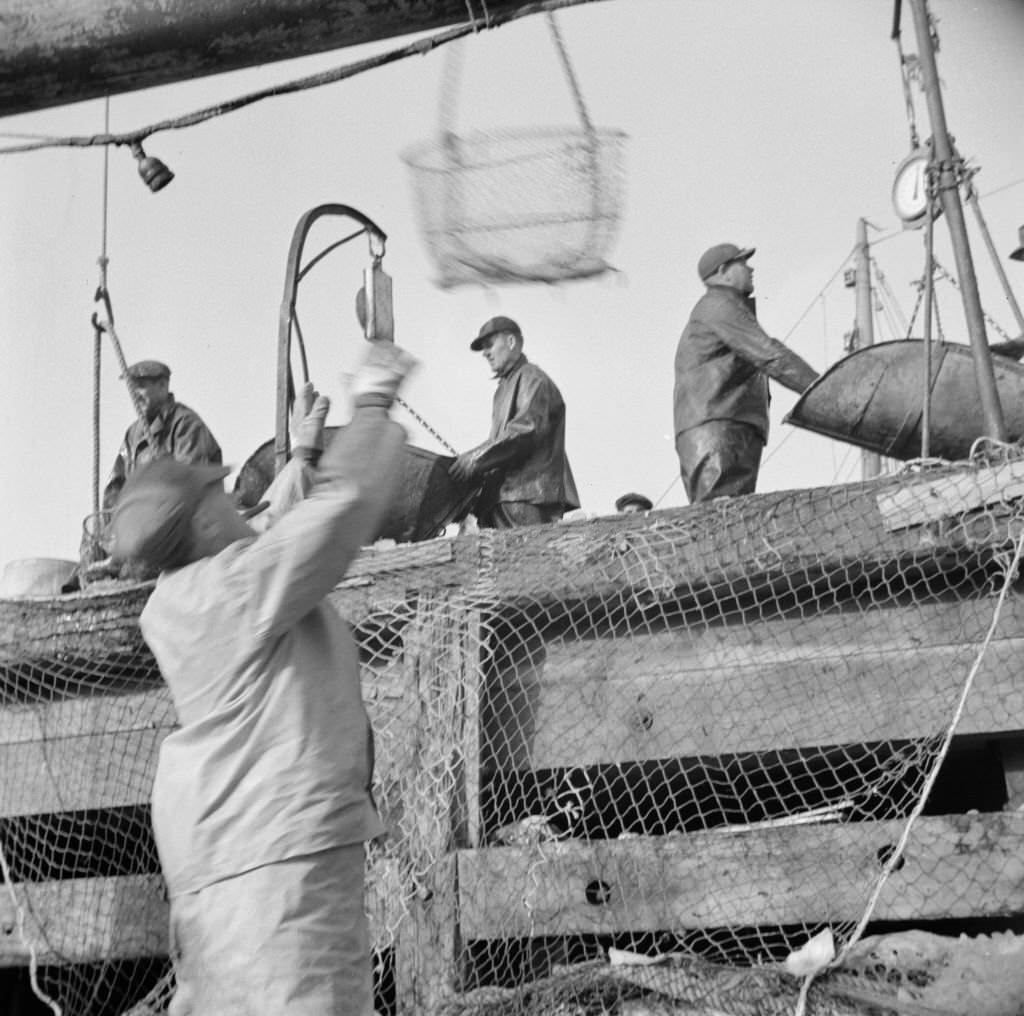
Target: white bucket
x=35, y=576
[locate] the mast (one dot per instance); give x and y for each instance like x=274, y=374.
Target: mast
x=949, y=196
x=870, y=462
x=54, y=52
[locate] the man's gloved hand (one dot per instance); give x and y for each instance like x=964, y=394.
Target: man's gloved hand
x=306, y=426
x=377, y=380
x=465, y=465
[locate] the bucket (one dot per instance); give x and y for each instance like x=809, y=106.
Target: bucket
x=873, y=398
x=36, y=576
x=519, y=205
x=428, y=497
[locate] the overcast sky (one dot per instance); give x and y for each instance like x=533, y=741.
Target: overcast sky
x=775, y=125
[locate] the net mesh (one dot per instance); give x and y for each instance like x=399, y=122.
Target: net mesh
x=519, y=204
x=627, y=765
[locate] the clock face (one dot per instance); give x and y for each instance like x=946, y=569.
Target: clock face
x=910, y=188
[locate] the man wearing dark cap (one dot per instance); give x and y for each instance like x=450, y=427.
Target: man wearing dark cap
x=522, y=466
x=170, y=428
x=633, y=504
x=723, y=363
x=261, y=802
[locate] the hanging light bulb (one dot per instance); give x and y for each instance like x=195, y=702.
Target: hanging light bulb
x=155, y=174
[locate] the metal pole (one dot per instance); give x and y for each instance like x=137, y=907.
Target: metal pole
x=1011, y=299
x=949, y=195
x=929, y=298
x=870, y=462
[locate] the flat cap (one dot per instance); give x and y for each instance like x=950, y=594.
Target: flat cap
x=147, y=369
x=642, y=503
x=151, y=520
x=721, y=254
x=493, y=327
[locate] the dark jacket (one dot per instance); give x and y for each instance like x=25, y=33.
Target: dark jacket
x=176, y=430
x=723, y=363
x=525, y=452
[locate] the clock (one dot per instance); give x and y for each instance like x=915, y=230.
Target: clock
x=910, y=188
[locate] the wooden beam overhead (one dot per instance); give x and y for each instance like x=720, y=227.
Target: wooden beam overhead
x=54, y=52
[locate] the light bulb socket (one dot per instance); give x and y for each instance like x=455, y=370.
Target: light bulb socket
x=154, y=173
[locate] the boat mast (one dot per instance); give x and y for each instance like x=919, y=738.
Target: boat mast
x=864, y=327
x=949, y=197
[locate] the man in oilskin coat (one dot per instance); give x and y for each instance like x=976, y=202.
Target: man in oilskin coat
x=723, y=363
x=522, y=465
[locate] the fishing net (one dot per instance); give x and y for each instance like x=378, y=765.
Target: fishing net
x=627, y=765
x=536, y=204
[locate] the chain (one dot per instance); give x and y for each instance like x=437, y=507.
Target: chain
x=956, y=285
x=426, y=426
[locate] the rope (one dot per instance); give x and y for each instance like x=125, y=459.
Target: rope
x=896, y=855
x=570, y=73
x=97, y=342
x=909, y=69
x=33, y=959
x=419, y=48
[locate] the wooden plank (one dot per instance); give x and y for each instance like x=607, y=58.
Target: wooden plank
x=84, y=920
x=100, y=919
x=60, y=51
x=955, y=867
x=101, y=751
x=947, y=496
x=436, y=645
x=89, y=715
x=837, y=678
x=95, y=771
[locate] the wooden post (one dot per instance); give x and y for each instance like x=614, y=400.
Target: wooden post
x=439, y=659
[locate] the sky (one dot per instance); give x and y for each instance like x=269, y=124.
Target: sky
x=776, y=125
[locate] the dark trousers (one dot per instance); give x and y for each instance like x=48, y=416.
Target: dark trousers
x=512, y=514
x=719, y=458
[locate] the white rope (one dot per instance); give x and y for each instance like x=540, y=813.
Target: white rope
x=896, y=856
x=33, y=960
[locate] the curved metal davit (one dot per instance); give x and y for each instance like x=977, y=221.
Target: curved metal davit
x=873, y=398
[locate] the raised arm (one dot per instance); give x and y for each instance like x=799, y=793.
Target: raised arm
x=304, y=556
x=738, y=329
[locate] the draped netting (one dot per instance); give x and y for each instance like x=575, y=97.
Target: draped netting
x=627, y=764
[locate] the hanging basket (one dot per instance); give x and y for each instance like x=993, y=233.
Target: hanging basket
x=519, y=205
x=530, y=204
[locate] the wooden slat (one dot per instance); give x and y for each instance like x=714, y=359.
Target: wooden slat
x=955, y=867
x=947, y=496
x=96, y=771
x=840, y=678
x=101, y=751
x=84, y=920
x=99, y=919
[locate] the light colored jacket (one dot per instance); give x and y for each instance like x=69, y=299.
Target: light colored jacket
x=274, y=757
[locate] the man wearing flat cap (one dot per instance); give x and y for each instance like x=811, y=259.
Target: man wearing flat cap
x=261, y=802
x=633, y=504
x=170, y=428
x=723, y=362
x=522, y=466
